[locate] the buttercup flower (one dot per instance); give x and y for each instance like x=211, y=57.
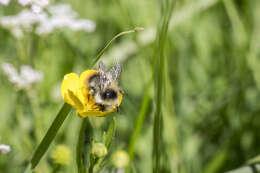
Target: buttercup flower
x=94, y=92
x=61, y=155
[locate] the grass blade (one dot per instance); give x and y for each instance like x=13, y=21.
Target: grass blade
x=139, y=123
x=51, y=133
x=166, y=8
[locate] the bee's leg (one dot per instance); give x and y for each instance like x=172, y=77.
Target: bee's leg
x=121, y=91
x=102, y=107
x=117, y=108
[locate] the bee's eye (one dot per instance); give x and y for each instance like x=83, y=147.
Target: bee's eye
x=109, y=94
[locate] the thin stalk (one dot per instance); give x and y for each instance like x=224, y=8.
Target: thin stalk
x=111, y=41
x=79, y=156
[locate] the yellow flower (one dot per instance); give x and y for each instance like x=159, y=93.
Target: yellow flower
x=61, y=155
x=75, y=91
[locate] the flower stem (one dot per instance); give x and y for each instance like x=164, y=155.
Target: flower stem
x=113, y=39
x=80, y=150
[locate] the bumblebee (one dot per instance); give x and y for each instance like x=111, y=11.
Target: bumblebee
x=94, y=92
x=103, y=86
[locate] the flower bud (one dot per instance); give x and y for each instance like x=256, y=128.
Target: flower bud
x=61, y=155
x=120, y=159
x=99, y=149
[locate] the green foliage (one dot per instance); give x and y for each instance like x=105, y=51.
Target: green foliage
x=201, y=114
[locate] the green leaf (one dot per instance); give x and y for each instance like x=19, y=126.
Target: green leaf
x=51, y=133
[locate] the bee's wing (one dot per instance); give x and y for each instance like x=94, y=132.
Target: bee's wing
x=104, y=79
x=116, y=71
x=101, y=67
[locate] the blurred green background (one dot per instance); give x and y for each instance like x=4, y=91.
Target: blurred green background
x=211, y=98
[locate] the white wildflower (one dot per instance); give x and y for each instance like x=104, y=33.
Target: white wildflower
x=24, y=2
x=26, y=77
x=11, y=72
x=41, y=3
x=36, y=9
x=36, y=5
x=30, y=75
x=4, y=149
x=62, y=10
x=4, y=2
x=22, y=21
x=61, y=16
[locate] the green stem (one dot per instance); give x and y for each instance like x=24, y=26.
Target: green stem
x=57, y=168
x=80, y=152
x=92, y=165
x=51, y=133
x=110, y=42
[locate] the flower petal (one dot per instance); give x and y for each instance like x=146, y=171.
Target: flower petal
x=69, y=90
x=85, y=113
x=83, y=82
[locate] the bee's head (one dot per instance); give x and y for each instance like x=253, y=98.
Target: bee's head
x=104, y=87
